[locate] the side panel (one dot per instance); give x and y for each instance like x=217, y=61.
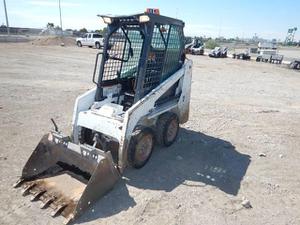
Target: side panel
x=89, y=40
x=144, y=107
x=184, y=101
x=100, y=123
x=82, y=103
x=84, y=40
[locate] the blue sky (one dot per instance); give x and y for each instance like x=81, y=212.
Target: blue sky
x=229, y=18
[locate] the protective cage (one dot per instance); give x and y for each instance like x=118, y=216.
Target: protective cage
x=142, y=55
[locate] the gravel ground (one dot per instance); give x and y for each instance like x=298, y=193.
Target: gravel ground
x=239, y=111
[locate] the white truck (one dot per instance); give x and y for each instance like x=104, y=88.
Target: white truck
x=91, y=40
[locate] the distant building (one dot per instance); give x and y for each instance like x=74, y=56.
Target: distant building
x=20, y=30
x=267, y=45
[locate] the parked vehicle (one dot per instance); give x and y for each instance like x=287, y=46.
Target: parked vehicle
x=267, y=45
x=197, y=48
x=141, y=95
x=295, y=64
x=244, y=56
x=263, y=58
x=276, y=59
x=189, y=43
x=265, y=55
x=91, y=40
x=253, y=50
x=218, y=52
x=270, y=56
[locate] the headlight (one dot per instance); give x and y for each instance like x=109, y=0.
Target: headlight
x=107, y=20
x=144, y=19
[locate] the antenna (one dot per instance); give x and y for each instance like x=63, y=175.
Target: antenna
x=60, y=18
x=6, y=17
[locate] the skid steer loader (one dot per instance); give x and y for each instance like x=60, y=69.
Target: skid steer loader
x=141, y=95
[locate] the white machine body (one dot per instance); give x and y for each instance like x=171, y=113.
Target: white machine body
x=108, y=117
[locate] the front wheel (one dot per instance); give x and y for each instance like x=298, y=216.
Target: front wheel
x=79, y=44
x=140, y=147
x=97, y=45
x=293, y=65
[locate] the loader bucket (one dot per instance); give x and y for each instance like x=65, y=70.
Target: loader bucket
x=66, y=177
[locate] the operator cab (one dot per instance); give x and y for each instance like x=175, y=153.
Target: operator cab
x=140, y=52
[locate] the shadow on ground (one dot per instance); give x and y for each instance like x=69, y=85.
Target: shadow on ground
x=195, y=157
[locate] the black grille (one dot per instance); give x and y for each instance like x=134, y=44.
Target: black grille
x=129, y=20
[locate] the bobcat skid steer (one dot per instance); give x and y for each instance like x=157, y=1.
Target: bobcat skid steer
x=141, y=95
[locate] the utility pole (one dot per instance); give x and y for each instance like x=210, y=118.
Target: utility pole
x=59, y=17
x=7, y=25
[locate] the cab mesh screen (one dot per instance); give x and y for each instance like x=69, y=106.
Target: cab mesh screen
x=121, y=61
x=164, y=55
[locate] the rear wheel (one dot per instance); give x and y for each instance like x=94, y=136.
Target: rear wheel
x=79, y=44
x=167, y=129
x=293, y=65
x=140, y=147
x=97, y=45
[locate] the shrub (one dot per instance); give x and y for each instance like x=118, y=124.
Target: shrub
x=211, y=44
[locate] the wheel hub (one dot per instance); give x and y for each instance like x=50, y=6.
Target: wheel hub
x=172, y=130
x=143, y=148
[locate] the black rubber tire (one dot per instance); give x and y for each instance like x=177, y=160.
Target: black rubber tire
x=86, y=136
x=79, y=44
x=97, y=45
x=293, y=65
x=162, y=125
x=137, y=136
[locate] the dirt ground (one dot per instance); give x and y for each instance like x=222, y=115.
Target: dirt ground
x=239, y=109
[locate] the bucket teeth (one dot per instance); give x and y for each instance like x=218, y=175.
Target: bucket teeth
x=37, y=195
x=58, y=210
x=18, y=183
x=27, y=189
x=65, y=181
x=47, y=202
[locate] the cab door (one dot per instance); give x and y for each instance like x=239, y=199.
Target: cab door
x=89, y=40
x=84, y=39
